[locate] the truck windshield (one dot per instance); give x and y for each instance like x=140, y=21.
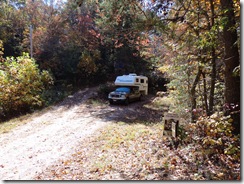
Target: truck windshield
x=123, y=89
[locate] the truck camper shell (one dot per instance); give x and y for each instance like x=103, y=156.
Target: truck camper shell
x=133, y=80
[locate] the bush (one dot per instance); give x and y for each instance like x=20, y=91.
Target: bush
x=105, y=89
x=21, y=85
x=219, y=146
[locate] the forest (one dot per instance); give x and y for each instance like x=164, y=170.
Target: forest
x=189, y=49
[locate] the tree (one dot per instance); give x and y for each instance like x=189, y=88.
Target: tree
x=192, y=40
x=232, y=61
x=200, y=23
x=118, y=22
x=12, y=24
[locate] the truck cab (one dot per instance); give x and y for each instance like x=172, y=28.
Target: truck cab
x=129, y=88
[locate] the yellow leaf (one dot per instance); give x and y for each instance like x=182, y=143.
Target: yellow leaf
x=220, y=175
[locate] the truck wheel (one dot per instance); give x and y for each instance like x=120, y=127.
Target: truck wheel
x=140, y=98
x=127, y=101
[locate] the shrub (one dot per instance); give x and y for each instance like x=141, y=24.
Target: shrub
x=214, y=136
x=21, y=85
x=105, y=89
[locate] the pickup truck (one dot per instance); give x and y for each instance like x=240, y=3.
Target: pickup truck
x=125, y=95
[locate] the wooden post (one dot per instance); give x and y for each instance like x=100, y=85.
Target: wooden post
x=175, y=122
x=175, y=128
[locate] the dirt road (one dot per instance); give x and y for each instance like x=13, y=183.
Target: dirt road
x=29, y=149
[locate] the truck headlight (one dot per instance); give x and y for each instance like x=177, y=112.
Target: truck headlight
x=123, y=96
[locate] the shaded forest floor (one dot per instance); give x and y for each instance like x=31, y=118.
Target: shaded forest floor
x=85, y=138
x=124, y=152
x=134, y=146
x=133, y=152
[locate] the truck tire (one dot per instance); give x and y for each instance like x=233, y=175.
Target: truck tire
x=140, y=98
x=127, y=101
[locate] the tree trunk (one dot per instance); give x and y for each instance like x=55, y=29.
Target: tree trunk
x=232, y=60
x=213, y=73
x=193, y=94
x=213, y=81
x=205, y=92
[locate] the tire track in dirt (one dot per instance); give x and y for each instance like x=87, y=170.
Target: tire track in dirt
x=54, y=135
x=30, y=148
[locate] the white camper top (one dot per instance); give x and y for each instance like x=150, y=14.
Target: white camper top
x=131, y=80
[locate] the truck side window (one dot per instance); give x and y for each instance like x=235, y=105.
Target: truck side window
x=142, y=80
x=137, y=80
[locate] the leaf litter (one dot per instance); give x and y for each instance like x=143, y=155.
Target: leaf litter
x=131, y=152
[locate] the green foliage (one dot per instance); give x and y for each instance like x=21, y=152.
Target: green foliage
x=87, y=63
x=11, y=26
x=105, y=89
x=21, y=85
x=179, y=88
x=118, y=22
x=195, y=51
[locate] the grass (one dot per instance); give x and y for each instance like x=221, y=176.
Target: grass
x=119, y=148
x=95, y=102
x=7, y=126
x=161, y=103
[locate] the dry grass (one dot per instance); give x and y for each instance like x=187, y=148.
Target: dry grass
x=160, y=103
x=9, y=125
x=119, y=151
x=136, y=151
